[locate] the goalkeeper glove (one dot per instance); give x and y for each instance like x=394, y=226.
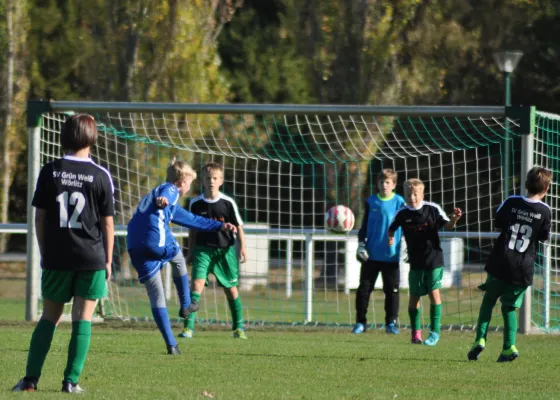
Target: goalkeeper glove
x=362, y=253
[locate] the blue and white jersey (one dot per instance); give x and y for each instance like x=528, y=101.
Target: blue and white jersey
x=378, y=214
x=149, y=226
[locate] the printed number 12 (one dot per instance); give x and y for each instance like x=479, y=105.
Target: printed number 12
x=76, y=199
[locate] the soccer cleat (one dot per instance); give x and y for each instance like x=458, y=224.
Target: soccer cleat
x=25, y=385
x=173, y=350
x=239, y=334
x=69, y=387
x=416, y=337
x=392, y=329
x=359, y=328
x=432, y=339
x=508, y=355
x=193, y=307
x=187, y=333
x=476, y=349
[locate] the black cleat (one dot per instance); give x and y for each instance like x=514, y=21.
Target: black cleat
x=69, y=387
x=193, y=307
x=173, y=350
x=25, y=385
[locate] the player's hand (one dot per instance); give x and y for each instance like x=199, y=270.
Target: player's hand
x=391, y=241
x=108, y=272
x=362, y=253
x=162, y=202
x=243, y=255
x=457, y=213
x=189, y=258
x=229, y=227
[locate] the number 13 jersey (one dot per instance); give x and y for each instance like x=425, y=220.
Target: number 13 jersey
x=523, y=223
x=75, y=193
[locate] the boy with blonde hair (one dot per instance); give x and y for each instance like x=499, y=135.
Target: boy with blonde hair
x=151, y=244
x=523, y=222
x=214, y=252
x=420, y=221
x=376, y=256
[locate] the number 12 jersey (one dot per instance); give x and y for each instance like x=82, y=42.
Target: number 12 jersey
x=523, y=223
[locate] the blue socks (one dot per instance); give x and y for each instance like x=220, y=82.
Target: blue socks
x=162, y=321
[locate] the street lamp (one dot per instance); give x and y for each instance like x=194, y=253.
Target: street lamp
x=507, y=62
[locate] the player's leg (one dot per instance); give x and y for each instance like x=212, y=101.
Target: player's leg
x=391, y=281
x=433, y=282
x=226, y=271
x=492, y=292
x=89, y=287
x=368, y=275
x=156, y=294
x=56, y=288
x=181, y=279
x=201, y=267
x=512, y=299
x=416, y=289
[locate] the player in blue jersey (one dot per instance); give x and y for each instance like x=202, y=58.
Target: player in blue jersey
x=376, y=255
x=420, y=222
x=151, y=244
x=523, y=221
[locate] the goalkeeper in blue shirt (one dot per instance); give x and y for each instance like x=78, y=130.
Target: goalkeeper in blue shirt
x=376, y=255
x=151, y=244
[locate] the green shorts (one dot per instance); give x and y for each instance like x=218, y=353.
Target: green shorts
x=510, y=295
x=220, y=262
x=61, y=286
x=421, y=281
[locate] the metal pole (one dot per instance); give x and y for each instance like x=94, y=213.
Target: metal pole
x=289, y=261
x=547, y=261
x=309, y=277
x=507, y=145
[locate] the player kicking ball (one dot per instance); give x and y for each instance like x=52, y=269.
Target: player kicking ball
x=523, y=222
x=151, y=244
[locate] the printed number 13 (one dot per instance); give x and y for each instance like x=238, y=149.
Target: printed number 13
x=522, y=244
x=76, y=199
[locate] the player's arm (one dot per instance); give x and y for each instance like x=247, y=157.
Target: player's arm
x=362, y=253
x=187, y=219
x=544, y=233
x=108, y=229
x=455, y=216
x=242, y=244
x=40, y=224
x=167, y=196
x=396, y=224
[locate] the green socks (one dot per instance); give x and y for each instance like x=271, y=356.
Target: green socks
x=414, y=315
x=77, y=350
x=236, y=309
x=190, y=321
x=39, y=347
x=510, y=326
x=484, y=316
x=435, y=318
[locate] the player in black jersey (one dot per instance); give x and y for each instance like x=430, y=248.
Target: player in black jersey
x=214, y=252
x=420, y=221
x=75, y=231
x=523, y=221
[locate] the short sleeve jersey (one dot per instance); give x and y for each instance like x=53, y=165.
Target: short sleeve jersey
x=522, y=223
x=420, y=229
x=75, y=193
x=223, y=209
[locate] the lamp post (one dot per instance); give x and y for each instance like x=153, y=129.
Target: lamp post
x=507, y=62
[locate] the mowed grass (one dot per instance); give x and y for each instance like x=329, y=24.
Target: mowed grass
x=129, y=362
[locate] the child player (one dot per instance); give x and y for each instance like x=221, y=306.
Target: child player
x=214, y=252
x=376, y=255
x=75, y=231
x=151, y=244
x=420, y=221
x=523, y=221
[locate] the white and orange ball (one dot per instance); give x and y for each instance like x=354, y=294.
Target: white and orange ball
x=339, y=219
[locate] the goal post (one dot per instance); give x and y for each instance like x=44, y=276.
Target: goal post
x=285, y=165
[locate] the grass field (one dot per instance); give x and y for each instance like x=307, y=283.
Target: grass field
x=130, y=363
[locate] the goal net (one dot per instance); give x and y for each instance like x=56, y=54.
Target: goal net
x=285, y=166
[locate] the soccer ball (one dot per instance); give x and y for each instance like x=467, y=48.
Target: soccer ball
x=339, y=219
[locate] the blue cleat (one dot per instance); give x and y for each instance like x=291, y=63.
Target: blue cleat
x=392, y=329
x=508, y=355
x=359, y=328
x=432, y=339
